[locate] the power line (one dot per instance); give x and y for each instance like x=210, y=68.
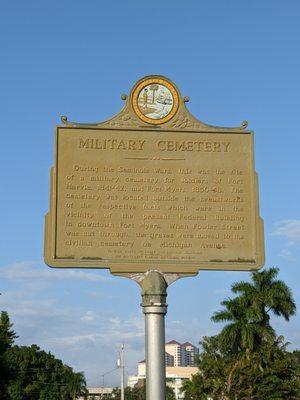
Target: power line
x=106, y=373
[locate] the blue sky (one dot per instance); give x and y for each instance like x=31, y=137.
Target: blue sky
x=235, y=59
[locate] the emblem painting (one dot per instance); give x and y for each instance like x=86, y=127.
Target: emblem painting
x=155, y=101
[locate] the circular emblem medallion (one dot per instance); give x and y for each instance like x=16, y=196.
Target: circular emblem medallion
x=155, y=100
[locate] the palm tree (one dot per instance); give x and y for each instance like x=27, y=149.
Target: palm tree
x=248, y=331
x=77, y=384
x=248, y=313
x=244, y=332
x=240, y=337
x=194, y=389
x=154, y=88
x=266, y=294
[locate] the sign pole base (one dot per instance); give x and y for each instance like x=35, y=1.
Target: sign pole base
x=154, y=293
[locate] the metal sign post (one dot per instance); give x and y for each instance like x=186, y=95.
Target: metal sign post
x=154, y=293
x=155, y=352
x=154, y=285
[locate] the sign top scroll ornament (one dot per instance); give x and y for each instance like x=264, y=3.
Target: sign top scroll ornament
x=155, y=102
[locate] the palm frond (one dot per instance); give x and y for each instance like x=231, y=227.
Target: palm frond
x=222, y=316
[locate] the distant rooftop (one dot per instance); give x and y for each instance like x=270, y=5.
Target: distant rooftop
x=144, y=361
x=173, y=342
x=184, y=344
x=187, y=344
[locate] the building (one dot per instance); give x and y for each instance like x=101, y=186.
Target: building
x=169, y=359
x=175, y=377
x=184, y=354
x=175, y=350
x=180, y=362
x=191, y=353
x=99, y=393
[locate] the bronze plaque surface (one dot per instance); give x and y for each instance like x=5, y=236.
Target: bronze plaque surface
x=135, y=199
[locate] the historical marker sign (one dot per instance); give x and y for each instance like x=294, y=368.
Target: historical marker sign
x=154, y=188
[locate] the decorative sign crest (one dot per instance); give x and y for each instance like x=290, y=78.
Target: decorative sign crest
x=154, y=187
x=155, y=100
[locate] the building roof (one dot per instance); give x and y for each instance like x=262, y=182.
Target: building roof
x=100, y=390
x=144, y=361
x=173, y=342
x=188, y=344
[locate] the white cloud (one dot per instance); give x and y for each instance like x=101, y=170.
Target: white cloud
x=32, y=271
x=75, y=339
x=115, y=321
x=85, y=338
x=104, y=329
x=289, y=228
x=88, y=316
x=287, y=255
x=27, y=310
x=109, y=337
x=181, y=331
x=84, y=335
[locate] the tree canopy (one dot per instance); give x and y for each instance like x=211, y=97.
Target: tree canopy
x=7, y=337
x=246, y=360
x=138, y=393
x=29, y=373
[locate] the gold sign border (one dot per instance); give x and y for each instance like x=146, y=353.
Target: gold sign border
x=161, y=81
x=118, y=266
